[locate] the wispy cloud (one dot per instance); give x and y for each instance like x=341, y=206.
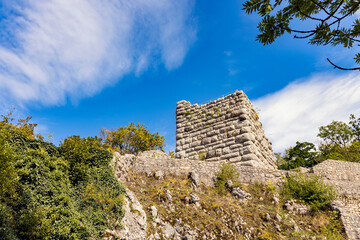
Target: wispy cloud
x=296, y=112
x=231, y=63
x=59, y=49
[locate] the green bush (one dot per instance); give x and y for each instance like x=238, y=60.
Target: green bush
x=49, y=192
x=308, y=188
x=226, y=172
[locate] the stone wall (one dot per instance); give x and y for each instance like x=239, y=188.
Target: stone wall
x=224, y=129
x=153, y=161
x=345, y=177
x=340, y=174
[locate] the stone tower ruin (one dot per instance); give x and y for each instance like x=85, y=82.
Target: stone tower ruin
x=227, y=129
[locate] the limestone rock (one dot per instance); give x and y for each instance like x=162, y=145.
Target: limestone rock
x=159, y=175
x=194, y=198
x=154, y=211
x=240, y=194
x=296, y=208
x=134, y=220
x=195, y=180
x=168, y=195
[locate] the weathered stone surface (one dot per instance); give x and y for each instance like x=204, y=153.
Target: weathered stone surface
x=195, y=180
x=240, y=194
x=228, y=125
x=296, y=208
x=194, y=198
x=134, y=222
x=344, y=176
x=159, y=175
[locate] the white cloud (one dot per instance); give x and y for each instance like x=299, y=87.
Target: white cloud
x=296, y=112
x=59, y=49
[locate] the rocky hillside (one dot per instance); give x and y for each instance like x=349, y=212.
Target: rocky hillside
x=181, y=207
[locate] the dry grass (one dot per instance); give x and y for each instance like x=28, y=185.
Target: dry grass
x=222, y=215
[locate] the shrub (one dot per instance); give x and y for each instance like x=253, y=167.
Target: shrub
x=310, y=189
x=49, y=192
x=82, y=153
x=132, y=139
x=226, y=172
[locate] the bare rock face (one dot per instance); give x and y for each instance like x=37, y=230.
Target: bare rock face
x=134, y=220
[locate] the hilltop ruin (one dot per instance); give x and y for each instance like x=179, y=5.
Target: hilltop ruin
x=227, y=129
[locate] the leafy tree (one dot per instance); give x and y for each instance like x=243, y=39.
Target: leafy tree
x=324, y=22
x=23, y=126
x=337, y=132
x=341, y=141
x=303, y=154
x=132, y=139
x=49, y=192
x=355, y=125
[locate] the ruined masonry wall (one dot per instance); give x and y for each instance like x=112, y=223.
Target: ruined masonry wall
x=224, y=129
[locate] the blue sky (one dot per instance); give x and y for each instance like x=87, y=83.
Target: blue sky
x=78, y=66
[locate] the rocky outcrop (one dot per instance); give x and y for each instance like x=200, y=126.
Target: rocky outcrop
x=344, y=176
x=224, y=129
x=133, y=223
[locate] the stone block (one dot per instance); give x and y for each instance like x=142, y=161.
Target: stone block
x=198, y=148
x=211, y=153
x=230, y=155
x=249, y=149
x=249, y=157
x=195, y=144
x=206, y=141
x=179, y=136
x=244, y=138
x=214, y=139
x=236, y=146
x=235, y=159
x=245, y=130
x=226, y=151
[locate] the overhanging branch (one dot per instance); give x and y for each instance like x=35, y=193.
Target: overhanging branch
x=341, y=68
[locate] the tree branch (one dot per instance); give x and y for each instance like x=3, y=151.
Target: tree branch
x=341, y=68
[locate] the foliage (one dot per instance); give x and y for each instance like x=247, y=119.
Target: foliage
x=132, y=139
x=81, y=153
x=355, y=125
x=337, y=132
x=301, y=155
x=310, y=189
x=40, y=200
x=226, y=172
x=8, y=176
x=23, y=126
x=172, y=154
x=326, y=18
x=341, y=140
